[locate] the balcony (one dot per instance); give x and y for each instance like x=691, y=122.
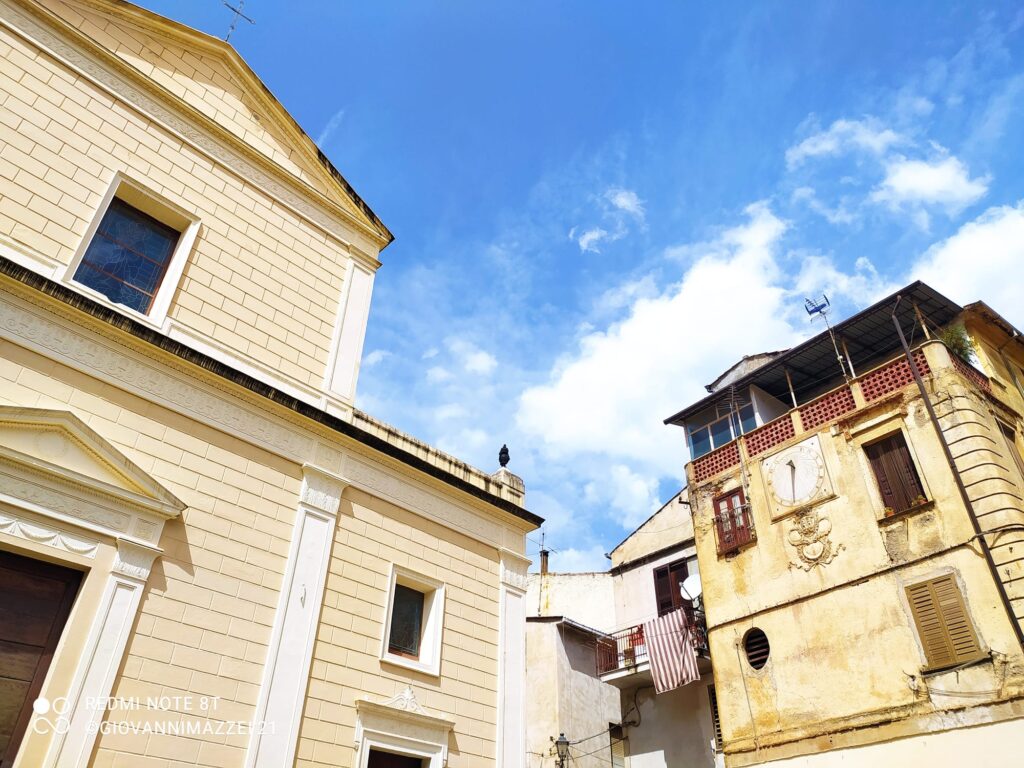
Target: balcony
x=865, y=390
x=623, y=654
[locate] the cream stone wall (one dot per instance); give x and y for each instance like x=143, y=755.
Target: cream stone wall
x=845, y=657
x=103, y=91
x=263, y=284
x=371, y=536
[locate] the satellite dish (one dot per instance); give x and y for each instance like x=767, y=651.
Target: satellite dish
x=691, y=586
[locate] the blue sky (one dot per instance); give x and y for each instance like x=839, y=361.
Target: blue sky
x=600, y=206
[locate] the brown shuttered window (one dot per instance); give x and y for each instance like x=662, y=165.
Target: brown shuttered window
x=732, y=521
x=715, y=722
x=895, y=473
x=942, y=623
x=667, y=580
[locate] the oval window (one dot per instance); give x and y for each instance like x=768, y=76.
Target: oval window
x=755, y=643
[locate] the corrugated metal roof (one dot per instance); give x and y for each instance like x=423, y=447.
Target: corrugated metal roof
x=869, y=335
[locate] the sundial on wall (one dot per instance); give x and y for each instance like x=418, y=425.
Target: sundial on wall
x=796, y=477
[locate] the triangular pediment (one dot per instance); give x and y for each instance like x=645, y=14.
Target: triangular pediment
x=60, y=445
x=210, y=76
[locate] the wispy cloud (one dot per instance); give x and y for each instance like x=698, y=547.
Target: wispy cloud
x=620, y=210
x=375, y=357
x=867, y=135
x=913, y=185
x=328, y=130
x=628, y=201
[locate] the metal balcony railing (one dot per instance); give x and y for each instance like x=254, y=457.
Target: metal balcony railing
x=627, y=648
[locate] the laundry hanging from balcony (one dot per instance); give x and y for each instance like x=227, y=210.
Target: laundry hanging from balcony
x=671, y=650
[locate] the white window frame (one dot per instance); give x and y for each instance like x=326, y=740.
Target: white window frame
x=432, y=630
x=139, y=196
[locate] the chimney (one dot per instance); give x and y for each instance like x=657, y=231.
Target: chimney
x=543, y=562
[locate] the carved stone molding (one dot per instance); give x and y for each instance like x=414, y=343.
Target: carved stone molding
x=405, y=494
x=134, y=560
x=46, y=535
x=406, y=700
x=163, y=382
x=810, y=537
x=401, y=721
x=321, y=490
x=514, y=570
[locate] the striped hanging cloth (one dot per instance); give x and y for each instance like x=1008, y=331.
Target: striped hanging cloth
x=670, y=648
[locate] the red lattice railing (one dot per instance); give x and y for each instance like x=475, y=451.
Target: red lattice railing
x=891, y=377
x=826, y=408
x=768, y=436
x=719, y=460
x=971, y=373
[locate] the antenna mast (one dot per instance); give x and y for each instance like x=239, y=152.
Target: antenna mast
x=238, y=14
x=820, y=308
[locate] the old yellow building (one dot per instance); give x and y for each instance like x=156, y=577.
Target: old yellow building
x=860, y=537
x=208, y=556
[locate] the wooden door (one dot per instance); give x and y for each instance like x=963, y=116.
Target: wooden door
x=35, y=600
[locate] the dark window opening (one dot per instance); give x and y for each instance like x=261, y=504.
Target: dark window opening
x=406, y=622
x=895, y=473
x=732, y=522
x=1010, y=436
x=128, y=256
x=380, y=759
x=755, y=644
x=668, y=582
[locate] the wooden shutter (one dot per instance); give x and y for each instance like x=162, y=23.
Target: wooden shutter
x=894, y=470
x=667, y=580
x=732, y=521
x=942, y=623
x=715, y=722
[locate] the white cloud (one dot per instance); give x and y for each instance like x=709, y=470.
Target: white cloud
x=329, y=129
x=449, y=411
x=867, y=135
x=633, y=495
x=577, y=560
x=609, y=397
x=470, y=357
x=981, y=261
x=863, y=286
x=809, y=197
x=628, y=201
x=945, y=182
x=430, y=353
x=437, y=374
x=589, y=240
x=375, y=357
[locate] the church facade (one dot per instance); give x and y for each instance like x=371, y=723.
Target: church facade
x=208, y=555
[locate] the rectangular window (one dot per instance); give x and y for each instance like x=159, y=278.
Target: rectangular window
x=713, y=429
x=128, y=256
x=1010, y=437
x=733, y=522
x=895, y=473
x=380, y=759
x=414, y=622
x=943, y=626
x=668, y=581
x=406, y=622
x=716, y=724
x=618, y=746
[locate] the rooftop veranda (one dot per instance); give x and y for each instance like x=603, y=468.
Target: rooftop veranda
x=865, y=390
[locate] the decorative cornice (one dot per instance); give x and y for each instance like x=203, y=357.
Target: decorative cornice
x=322, y=490
x=107, y=70
x=47, y=535
x=134, y=560
x=171, y=374
x=514, y=570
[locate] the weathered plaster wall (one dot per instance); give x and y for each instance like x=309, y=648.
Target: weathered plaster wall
x=844, y=650
x=586, y=598
x=675, y=728
x=566, y=697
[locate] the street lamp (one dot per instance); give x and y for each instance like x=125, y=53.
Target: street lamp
x=562, y=747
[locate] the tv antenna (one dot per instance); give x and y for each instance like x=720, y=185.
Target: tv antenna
x=238, y=14
x=820, y=307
